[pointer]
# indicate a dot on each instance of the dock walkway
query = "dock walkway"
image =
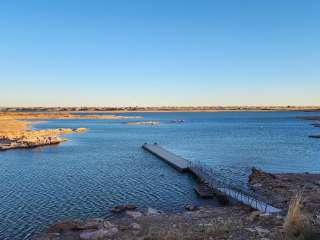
(249, 201)
(175, 161)
(209, 179)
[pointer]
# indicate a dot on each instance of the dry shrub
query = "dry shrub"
(297, 225)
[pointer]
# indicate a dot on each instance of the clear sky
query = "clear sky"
(159, 52)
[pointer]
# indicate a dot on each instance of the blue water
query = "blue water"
(106, 166)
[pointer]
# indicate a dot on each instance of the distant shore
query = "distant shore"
(162, 109)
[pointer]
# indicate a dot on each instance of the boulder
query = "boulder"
(67, 225)
(134, 214)
(99, 234)
(108, 224)
(258, 175)
(95, 223)
(135, 226)
(152, 211)
(191, 207)
(254, 216)
(122, 208)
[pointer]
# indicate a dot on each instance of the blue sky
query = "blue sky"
(159, 52)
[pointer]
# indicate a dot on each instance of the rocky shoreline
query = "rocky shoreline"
(235, 222)
(14, 131)
(206, 223)
(32, 139)
(280, 188)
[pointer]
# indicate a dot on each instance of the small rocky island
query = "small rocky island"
(36, 138)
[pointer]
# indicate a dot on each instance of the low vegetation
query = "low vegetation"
(297, 224)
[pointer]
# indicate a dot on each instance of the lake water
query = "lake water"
(106, 166)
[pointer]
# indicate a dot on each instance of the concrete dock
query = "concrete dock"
(175, 161)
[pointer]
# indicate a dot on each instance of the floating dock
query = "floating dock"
(209, 186)
(204, 191)
(179, 163)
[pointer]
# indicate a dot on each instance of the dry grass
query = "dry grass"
(297, 225)
(183, 232)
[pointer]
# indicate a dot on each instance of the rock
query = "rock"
(65, 226)
(257, 185)
(191, 207)
(94, 223)
(122, 208)
(250, 230)
(258, 174)
(254, 216)
(262, 214)
(260, 231)
(134, 214)
(135, 226)
(108, 224)
(152, 211)
(49, 236)
(99, 234)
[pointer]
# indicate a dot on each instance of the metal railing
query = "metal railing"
(228, 186)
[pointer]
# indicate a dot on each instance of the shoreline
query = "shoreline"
(163, 109)
(16, 131)
(236, 222)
